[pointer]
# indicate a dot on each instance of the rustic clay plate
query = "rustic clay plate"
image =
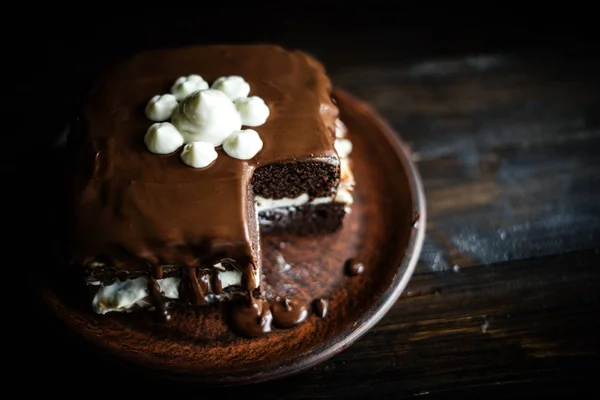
(385, 231)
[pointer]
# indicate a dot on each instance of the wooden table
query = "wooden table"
(505, 298)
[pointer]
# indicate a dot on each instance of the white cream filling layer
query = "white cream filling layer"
(123, 295)
(263, 204)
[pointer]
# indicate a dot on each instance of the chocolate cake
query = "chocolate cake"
(183, 157)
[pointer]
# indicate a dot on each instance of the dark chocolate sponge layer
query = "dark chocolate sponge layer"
(292, 179)
(305, 220)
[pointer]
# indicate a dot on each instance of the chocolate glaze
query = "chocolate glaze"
(354, 267)
(157, 299)
(132, 208)
(215, 282)
(288, 313)
(251, 318)
(198, 287)
(154, 289)
(320, 307)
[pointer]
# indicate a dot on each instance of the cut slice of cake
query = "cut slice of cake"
(304, 212)
(183, 156)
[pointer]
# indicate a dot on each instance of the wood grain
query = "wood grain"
(507, 148)
(501, 326)
(517, 328)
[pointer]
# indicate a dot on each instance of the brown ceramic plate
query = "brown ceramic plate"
(385, 231)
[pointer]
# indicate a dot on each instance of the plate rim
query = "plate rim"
(376, 311)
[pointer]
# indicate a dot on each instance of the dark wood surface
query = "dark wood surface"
(504, 123)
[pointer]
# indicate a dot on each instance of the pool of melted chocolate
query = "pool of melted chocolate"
(312, 307)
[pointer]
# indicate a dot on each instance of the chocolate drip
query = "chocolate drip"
(354, 267)
(156, 272)
(251, 318)
(215, 282)
(198, 287)
(157, 298)
(320, 307)
(288, 313)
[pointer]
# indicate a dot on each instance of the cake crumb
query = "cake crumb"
(281, 263)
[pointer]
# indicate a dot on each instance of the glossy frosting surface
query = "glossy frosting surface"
(133, 208)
